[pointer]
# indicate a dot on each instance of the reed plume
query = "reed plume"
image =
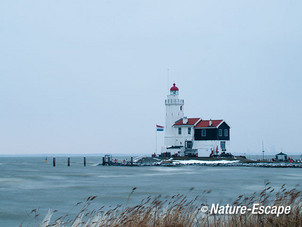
(179, 211)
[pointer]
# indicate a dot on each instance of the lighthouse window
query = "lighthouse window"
(180, 107)
(203, 132)
(179, 131)
(225, 132)
(189, 131)
(220, 132)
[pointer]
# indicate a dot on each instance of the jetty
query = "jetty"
(174, 161)
(239, 161)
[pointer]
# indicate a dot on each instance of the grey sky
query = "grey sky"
(91, 76)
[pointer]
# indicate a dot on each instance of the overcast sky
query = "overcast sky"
(91, 76)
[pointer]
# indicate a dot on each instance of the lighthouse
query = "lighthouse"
(174, 112)
(192, 136)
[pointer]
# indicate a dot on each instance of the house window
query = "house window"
(226, 132)
(222, 145)
(179, 131)
(203, 132)
(189, 131)
(220, 132)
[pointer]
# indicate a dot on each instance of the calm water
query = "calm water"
(29, 183)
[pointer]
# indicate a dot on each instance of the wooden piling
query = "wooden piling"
(109, 163)
(68, 161)
(54, 162)
(84, 161)
(131, 161)
(104, 161)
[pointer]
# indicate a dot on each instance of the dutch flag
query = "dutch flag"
(159, 128)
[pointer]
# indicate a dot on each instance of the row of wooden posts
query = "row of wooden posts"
(108, 162)
(68, 161)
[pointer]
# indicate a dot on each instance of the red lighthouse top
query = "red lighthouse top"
(174, 88)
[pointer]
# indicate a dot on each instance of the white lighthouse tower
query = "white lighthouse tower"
(174, 112)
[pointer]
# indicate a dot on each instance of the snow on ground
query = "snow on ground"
(188, 162)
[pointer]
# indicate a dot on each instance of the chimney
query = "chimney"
(185, 120)
(210, 122)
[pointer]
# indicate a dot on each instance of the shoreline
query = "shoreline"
(205, 161)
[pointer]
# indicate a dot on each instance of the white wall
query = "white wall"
(174, 112)
(204, 147)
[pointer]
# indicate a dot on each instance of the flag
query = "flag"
(159, 128)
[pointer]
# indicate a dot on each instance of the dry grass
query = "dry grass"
(178, 211)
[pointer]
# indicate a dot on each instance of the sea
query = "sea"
(32, 184)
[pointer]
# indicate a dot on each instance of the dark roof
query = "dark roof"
(281, 153)
(174, 147)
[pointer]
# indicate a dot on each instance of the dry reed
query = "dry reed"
(178, 211)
